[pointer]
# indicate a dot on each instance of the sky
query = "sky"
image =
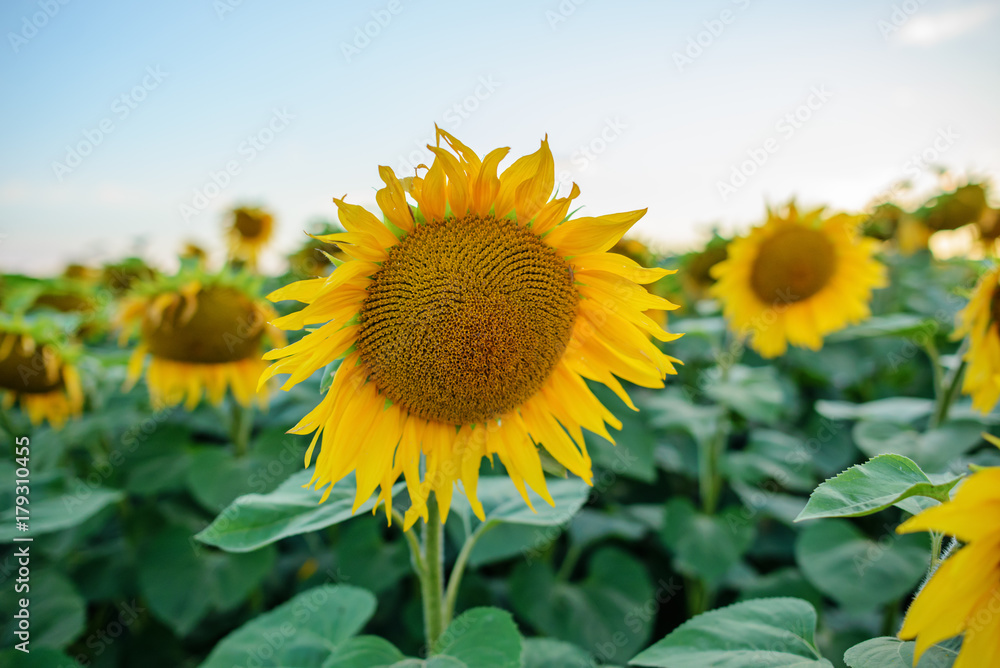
(131, 127)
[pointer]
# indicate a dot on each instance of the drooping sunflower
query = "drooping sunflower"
(248, 232)
(963, 595)
(980, 321)
(203, 334)
(37, 370)
(797, 278)
(467, 323)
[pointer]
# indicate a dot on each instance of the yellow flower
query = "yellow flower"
(979, 321)
(36, 375)
(467, 325)
(201, 338)
(796, 279)
(963, 595)
(250, 230)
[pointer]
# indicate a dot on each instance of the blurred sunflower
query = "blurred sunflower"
(467, 325)
(192, 252)
(697, 267)
(980, 321)
(250, 230)
(37, 371)
(316, 257)
(120, 276)
(797, 278)
(962, 595)
(203, 334)
(952, 210)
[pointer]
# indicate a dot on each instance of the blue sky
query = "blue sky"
(646, 104)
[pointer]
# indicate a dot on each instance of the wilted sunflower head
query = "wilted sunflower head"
(980, 321)
(36, 370)
(883, 222)
(796, 278)
(202, 333)
(952, 210)
(467, 323)
(249, 230)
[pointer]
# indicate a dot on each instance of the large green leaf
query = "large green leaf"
(255, 520)
(873, 486)
(858, 572)
(763, 633)
(58, 513)
(548, 653)
(482, 637)
(705, 546)
(364, 652)
(610, 613)
(40, 657)
(895, 409)
(183, 581)
(895, 324)
(301, 633)
(896, 653)
(57, 610)
(756, 393)
(934, 450)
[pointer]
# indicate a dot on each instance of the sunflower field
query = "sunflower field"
(472, 428)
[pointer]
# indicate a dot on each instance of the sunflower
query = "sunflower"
(37, 372)
(697, 275)
(466, 324)
(203, 335)
(796, 278)
(963, 595)
(639, 253)
(250, 230)
(980, 321)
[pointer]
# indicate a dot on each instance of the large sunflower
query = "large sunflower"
(467, 324)
(248, 232)
(37, 373)
(980, 320)
(796, 278)
(202, 335)
(964, 593)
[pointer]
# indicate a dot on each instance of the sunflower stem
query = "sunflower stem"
(948, 390)
(432, 577)
(240, 427)
(455, 579)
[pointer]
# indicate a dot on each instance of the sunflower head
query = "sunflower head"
(467, 323)
(202, 333)
(37, 370)
(193, 253)
(883, 222)
(120, 276)
(980, 321)
(952, 210)
(797, 278)
(249, 230)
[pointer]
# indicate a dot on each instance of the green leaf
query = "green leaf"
(364, 652)
(900, 410)
(935, 450)
(548, 653)
(57, 611)
(611, 612)
(366, 560)
(756, 393)
(895, 324)
(631, 455)
(41, 657)
(183, 581)
(705, 546)
(770, 455)
(256, 520)
(856, 571)
(58, 513)
(763, 633)
(896, 653)
(671, 410)
(482, 637)
(302, 632)
(873, 486)
(216, 478)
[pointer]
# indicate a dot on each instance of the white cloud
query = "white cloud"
(930, 29)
